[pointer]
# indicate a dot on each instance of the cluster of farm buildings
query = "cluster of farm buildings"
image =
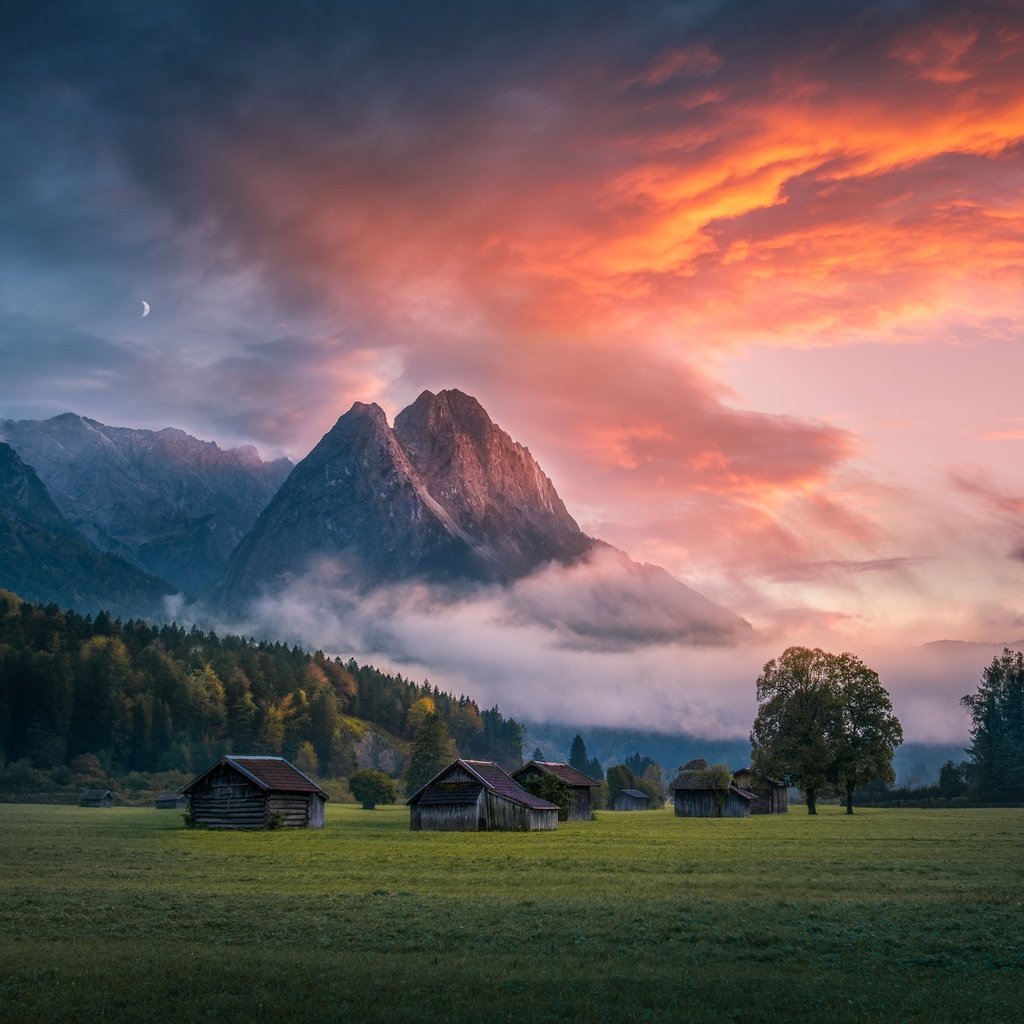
(259, 791)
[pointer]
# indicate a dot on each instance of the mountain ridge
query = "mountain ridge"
(173, 505)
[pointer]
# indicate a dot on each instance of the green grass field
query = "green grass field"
(124, 916)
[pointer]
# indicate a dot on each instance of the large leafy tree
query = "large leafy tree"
(997, 728)
(866, 732)
(796, 712)
(823, 720)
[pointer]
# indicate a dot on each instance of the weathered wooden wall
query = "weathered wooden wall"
(461, 817)
(700, 803)
(580, 810)
(505, 816)
(225, 799)
(625, 802)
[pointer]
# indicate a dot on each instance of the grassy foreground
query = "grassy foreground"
(122, 915)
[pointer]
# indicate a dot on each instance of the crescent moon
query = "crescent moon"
(145, 308)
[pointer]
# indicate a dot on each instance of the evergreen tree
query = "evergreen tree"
(432, 750)
(578, 757)
(997, 728)
(537, 755)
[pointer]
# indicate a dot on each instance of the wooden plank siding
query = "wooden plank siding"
(478, 796)
(700, 803)
(230, 796)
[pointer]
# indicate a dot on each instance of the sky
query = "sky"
(746, 277)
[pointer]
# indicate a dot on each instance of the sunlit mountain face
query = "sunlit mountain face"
(745, 278)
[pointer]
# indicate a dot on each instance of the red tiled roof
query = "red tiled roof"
(561, 770)
(274, 773)
(269, 773)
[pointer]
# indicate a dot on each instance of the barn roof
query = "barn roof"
(492, 777)
(760, 778)
(560, 770)
(96, 794)
(269, 773)
(636, 794)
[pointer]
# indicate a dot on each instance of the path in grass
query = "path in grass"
(123, 915)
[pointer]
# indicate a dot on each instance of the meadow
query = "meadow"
(123, 915)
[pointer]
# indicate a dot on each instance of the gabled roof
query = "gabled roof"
(96, 794)
(569, 775)
(493, 778)
(268, 773)
(636, 794)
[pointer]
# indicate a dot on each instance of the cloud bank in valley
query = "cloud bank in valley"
(626, 655)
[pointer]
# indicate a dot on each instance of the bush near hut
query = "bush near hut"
(552, 789)
(371, 787)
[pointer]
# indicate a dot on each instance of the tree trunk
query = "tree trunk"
(811, 806)
(849, 798)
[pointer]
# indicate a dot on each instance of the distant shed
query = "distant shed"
(96, 798)
(694, 798)
(770, 795)
(254, 792)
(477, 796)
(170, 801)
(629, 800)
(579, 784)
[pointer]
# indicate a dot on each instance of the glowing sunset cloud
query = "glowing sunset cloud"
(746, 278)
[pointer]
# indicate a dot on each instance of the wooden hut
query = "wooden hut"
(475, 796)
(629, 800)
(579, 784)
(255, 791)
(170, 801)
(693, 797)
(96, 798)
(770, 795)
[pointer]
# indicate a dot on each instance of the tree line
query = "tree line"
(825, 725)
(144, 698)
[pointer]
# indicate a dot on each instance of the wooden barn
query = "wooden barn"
(255, 791)
(770, 795)
(579, 784)
(477, 796)
(96, 798)
(693, 797)
(629, 800)
(170, 801)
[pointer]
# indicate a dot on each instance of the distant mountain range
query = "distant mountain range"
(443, 498)
(44, 558)
(174, 506)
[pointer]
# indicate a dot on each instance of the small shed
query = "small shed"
(579, 784)
(629, 800)
(770, 795)
(477, 796)
(96, 798)
(170, 801)
(255, 791)
(694, 798)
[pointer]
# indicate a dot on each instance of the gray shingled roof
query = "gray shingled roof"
(636, 794)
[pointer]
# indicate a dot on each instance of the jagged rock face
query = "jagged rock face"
(43, 558)
(173, 505)
(355, 499)
(444, 496)
(491, 486)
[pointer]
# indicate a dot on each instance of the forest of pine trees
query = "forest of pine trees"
(142, 698)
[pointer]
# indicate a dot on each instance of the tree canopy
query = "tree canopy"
(138, 697)
(823, 720)
(997, 728)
